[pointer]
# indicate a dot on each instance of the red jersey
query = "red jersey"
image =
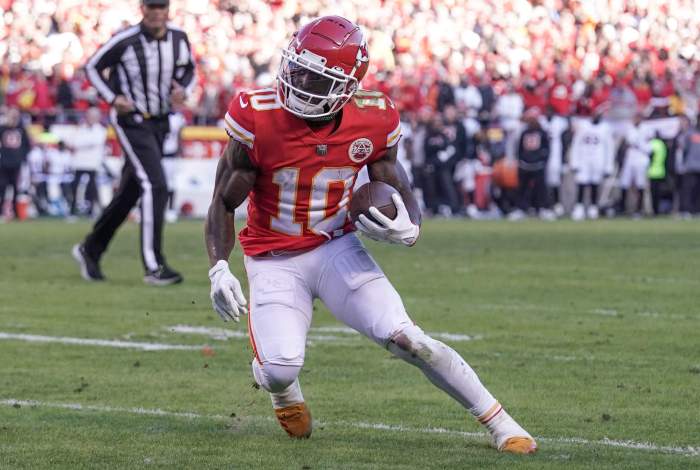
(305, 177)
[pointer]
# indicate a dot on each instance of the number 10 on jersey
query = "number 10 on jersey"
(323, 215)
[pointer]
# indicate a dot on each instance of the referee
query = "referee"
(142, 71)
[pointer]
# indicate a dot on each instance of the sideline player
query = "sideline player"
(296, 151)
(592, 160)
(633, 174)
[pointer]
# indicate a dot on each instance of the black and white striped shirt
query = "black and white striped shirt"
(143, 68)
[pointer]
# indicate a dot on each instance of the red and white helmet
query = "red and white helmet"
(322, 67)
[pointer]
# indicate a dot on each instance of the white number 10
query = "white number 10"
(323, 216)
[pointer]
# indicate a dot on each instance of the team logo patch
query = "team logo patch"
(360, 150)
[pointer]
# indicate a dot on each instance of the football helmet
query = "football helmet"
(322, 67)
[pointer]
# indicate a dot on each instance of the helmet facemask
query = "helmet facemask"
(309, 89)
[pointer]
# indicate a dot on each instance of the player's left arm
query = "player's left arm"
(405, 228)
(388, 170)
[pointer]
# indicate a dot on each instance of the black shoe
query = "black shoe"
(89, 267)
(163, 276)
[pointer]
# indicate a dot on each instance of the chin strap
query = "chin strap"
(330, 117)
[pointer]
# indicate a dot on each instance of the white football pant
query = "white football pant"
(345, 277)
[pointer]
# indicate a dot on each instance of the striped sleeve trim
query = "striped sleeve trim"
(238, 132)
(393, 137)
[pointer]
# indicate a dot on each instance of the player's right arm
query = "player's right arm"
(107, 56)
(235, 177)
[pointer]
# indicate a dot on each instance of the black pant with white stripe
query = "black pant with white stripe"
(142, 177)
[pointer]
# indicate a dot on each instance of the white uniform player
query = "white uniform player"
(634, 169)
(592, 157)
(171, 150)
(296, 156)
(633, 173)
(555, 126)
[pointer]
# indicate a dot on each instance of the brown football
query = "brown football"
(374, 193)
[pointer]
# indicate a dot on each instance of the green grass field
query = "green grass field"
(588, 333)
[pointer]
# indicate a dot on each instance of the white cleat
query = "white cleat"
(517, 214)
(506, 434)
(558, 210)
(547, 214)
(170, 216)
(593, 212)
(579, 212)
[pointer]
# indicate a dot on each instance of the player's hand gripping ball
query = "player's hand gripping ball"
(380, 214)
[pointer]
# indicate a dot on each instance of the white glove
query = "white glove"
(400, 230)
(226, 294)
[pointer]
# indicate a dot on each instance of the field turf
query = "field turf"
(588, 333)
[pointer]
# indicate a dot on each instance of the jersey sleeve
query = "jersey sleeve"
(239, 121)
(382, 116)
(393, 126)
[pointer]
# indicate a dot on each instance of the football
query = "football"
(505, 173)
(374, 193)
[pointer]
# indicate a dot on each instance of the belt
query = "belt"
(151, 117)
(140, 117)
(276, 253)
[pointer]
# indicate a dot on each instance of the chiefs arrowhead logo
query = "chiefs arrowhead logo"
(362, 54)
(360, 150)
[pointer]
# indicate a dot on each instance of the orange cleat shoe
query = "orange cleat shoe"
(519, 445)
(295, 420)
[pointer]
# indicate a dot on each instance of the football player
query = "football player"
(592, 160)
(633, 173)
(295, 151)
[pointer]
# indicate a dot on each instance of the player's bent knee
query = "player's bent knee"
(275, 378)
(414, 346)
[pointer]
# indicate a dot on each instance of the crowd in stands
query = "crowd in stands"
(494, 66)
(573, 55)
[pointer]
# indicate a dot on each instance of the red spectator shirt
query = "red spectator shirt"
(560, 99)
(305, 177)
(643, 94)
(534, 98)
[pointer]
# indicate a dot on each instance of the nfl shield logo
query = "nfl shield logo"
(321, 149)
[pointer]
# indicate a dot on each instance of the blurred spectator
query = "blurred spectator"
(14, 148)
(690, 171)
(59, 178)
(439, 189)
(88, 147)
(657, 171)
(467, 96)
(491, 148)
(533, 153)
(38, 172)
(448, 159)
(418, 148)
(510, 108)
(557, 128)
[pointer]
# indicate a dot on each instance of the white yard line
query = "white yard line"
(688, 451)
(606, 312)
(225, 333)
(213, 333)
(98, 342)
